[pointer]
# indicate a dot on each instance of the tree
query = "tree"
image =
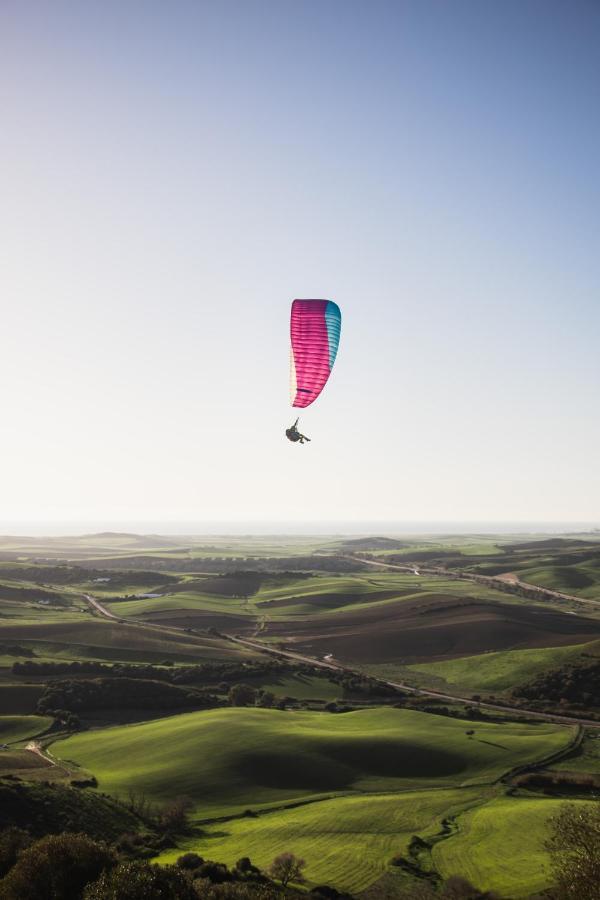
(57, 867)
(286, 867)
(244, 869)
(189, 861)
(12, 842)
(242, 695)
(574, 847)
(266, 699)
(133, 880)
(174, 815)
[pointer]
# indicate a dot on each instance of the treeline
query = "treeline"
(218, 675)
(90, 695)
(562, 782)
(204, 673)
(232, 564)
(363, 685)
(28, 594)
(69, 575)
(575, 686)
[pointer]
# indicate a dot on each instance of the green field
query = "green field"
(346, 791)
(500, 846)
(301, 687)
(582, 579)
(497, 842)
(86, 637)
(587, 759)
(346, 841)
(284, 597)
(499, 671)
(14, 729)
(230, 759)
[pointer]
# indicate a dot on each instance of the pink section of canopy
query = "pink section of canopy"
(310, 350)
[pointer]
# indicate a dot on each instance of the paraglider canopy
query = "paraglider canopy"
(315, 327)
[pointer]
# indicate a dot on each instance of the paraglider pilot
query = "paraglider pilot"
(294, 435)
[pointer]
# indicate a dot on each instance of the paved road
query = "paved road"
(481, 704)
(338, 667)
(95, 604)
(492, 581)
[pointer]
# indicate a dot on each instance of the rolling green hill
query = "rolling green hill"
(20, 728)
(499, 671)
(88, 637)
(346, 791)
(346, 841)
(495, 842)
(230, 759)
(500, 846)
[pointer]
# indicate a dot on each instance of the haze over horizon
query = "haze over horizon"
(174, 175)
(201, 529)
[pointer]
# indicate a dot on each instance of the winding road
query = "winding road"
(500, 582)
(410, 689)
(338, 667)
(95, 604)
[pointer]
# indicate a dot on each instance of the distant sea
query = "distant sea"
(236, 528)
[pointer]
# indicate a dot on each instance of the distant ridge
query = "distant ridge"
(374, 543)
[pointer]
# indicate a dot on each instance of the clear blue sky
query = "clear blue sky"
(174, 174)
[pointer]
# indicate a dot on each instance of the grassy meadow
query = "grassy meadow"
(229, 759)
(496, 672)
(347, 791)
(500, 846)
(15, 729)
(347, 841)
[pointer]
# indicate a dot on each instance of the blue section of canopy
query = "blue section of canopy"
(333, 321)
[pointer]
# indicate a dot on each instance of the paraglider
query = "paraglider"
(315, 327)
(294, 435)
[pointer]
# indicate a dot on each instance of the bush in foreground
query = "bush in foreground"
(57, 867)
(574, 847)
(134, 880)
(12, 842)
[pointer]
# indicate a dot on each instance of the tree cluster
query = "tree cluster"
(72, 866)
(356, 684)
(209, 673)
(559, 782)
(89, 695)
(575, 686)
(80, 575)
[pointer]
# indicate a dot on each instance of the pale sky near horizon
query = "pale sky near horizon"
(173, 175)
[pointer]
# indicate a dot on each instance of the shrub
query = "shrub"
(57, 867)
(135, 880)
